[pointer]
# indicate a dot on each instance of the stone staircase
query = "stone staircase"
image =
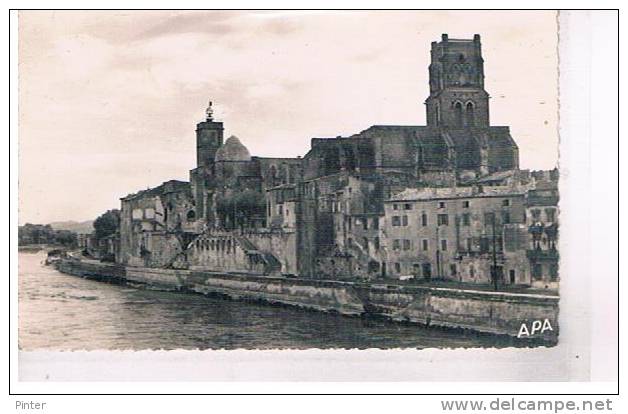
(270, 263)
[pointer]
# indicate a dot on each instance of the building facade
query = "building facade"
(444, 200)
(457, 234)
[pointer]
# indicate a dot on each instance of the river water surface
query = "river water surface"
(63, 312)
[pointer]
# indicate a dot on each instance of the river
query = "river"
(62, 312)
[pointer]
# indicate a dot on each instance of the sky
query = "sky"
(109, 101)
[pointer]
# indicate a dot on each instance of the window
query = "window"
(550, 213)
(458, 113)
(536, 214)
(489, 218)
(505, 217)
(441, 204)
(365, 243)
(396, 221)
(443, 245)
(511, 274)
(537, 271)
(137, 214)
(453, 270)
(407, 206)
(465, 204)
(469, 244)
(404, 220)
(484, 244)
(427, 270)
(350, 241)
(397, 267)
(406, 245)
(376, 243)
(466, 219)
(280, 209)
(437, 114)
(395, 206)
(149, 213)
(396, 244)
(375, 223)
(470, 118)
(472, 271)
(553, 272)
(424, 219)
(425, 245)
(365, 223)
(443, 220)
(506, 203)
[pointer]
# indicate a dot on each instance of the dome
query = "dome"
(232, 150)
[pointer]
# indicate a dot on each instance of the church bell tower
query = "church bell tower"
(457, 96)
(209, 136)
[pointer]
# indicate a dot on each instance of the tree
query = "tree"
(44, 234)
(35, 234)
(66, 238)
(236, 209)
(107, 224)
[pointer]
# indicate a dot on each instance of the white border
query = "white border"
(588, 162)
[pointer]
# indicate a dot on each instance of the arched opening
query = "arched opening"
(458, 114)
(470, 116)
(272, 176)
(191, 216)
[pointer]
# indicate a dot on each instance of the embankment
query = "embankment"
(491, 312)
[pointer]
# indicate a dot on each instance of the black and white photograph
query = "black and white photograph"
(297, 180)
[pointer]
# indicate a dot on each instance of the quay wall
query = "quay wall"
(482, 311)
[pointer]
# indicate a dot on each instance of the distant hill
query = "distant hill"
(81, 227)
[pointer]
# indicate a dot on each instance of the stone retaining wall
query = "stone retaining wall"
(490, 312)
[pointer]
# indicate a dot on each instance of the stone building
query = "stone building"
(156, 225)
(458, 140)
(457, 233)
(542, 216)
(351, 207)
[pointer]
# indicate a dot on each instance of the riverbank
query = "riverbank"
(34, 248)
(502, 313)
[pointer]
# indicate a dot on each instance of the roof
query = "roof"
(165, 187)
(436, 193)
(497, 176)
(232, 150)
(546, 185)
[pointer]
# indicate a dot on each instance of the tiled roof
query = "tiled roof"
(435, 193)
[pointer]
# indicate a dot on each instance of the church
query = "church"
(322, 215)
